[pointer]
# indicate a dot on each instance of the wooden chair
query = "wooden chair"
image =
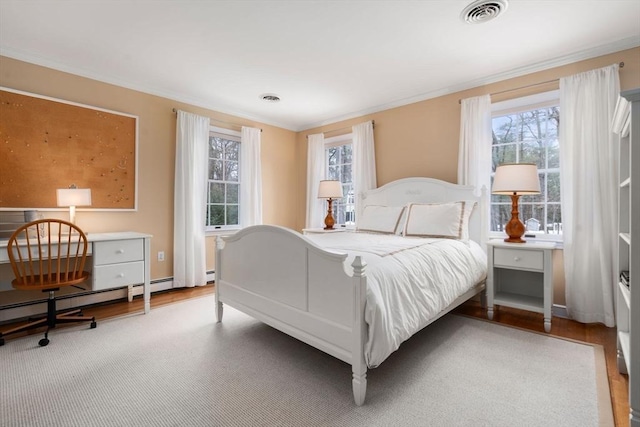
(46, 255)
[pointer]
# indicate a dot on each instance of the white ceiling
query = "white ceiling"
(327, 60)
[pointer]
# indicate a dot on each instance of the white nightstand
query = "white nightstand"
(323, 231)
(520, 275)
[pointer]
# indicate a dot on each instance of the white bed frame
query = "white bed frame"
(281, 278)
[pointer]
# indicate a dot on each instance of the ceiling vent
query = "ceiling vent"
(483, 11)
(270, 97)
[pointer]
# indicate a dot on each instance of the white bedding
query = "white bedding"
(410, 280)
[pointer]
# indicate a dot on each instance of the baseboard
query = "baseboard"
(33, 308)
(559, 311)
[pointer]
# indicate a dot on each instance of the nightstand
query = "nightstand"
(520, 275)
(323, 231)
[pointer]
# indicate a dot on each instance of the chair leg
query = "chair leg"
(31, 325)
(51, 319)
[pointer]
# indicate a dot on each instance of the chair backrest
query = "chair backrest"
(47, 254)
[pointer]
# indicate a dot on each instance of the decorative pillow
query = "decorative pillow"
(440, 220)
(380, 219)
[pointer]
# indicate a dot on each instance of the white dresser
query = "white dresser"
(117, 260)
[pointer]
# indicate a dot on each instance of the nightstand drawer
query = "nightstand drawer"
(116, 251)
(518, 258)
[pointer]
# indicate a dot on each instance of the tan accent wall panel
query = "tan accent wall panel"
(46, 144)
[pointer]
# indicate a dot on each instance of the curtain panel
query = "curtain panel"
(315, 173)
(364, 162)
(589, 182)
(190, 197)
(250, 177)
(474, 154)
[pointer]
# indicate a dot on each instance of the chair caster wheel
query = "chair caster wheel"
(93, 325)
(43, 342)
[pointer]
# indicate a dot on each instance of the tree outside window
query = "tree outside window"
(339, 161)
(223, 182)
(529, 137)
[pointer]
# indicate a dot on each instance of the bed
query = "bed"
(325, 290)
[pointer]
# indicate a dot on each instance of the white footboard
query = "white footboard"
(281, 278)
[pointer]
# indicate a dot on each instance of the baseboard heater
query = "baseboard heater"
(17, 311)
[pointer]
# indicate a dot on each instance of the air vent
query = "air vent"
(270, 97)
(483, 11)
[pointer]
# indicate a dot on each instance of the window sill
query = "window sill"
(222, 232)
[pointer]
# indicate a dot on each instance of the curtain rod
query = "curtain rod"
(219, 121)
(373, 124)
(621, 65)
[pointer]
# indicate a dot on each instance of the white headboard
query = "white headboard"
(429, 190)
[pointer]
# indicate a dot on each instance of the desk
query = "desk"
(118, 260)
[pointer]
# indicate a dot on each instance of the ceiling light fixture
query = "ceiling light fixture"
(483, 11)
(270, 97)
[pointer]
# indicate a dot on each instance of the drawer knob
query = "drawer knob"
(120, 276)
(516, 258)
(120, 251)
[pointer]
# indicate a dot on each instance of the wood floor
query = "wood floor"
(592, 333)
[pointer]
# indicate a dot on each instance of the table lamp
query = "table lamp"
(515, 180)
(73, 197)
(330, 190)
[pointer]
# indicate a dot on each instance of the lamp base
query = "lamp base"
(329, 222)
(515, 227)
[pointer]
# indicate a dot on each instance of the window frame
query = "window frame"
(519, 105)
(231, 135)
(333, 142)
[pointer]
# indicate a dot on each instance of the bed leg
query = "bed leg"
(359, 387)
(483, 299)
(219, 310)
(218, 279)
(359, 365)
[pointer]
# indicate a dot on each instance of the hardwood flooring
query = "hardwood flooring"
(592, 333)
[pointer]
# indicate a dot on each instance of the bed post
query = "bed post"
(218, 277)
(359, 366)
(485, 208)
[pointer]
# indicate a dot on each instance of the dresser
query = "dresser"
(117, 260)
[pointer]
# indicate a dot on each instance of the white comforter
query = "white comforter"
(409, 281)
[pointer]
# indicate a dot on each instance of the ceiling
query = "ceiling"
(326, 60)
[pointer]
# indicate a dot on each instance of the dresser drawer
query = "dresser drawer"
(118, 275)
(518, 259)
(116, 251)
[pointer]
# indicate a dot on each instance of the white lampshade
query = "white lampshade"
(330, 189)
(516, 179)
(74, 196)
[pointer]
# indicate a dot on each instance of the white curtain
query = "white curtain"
(250, 177)
(190, 197)
(364, 161)
(589, 182)
(315, 173)
(474, 155)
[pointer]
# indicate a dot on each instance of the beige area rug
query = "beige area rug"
(177, 367)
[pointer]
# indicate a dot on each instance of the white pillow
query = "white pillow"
(440, 220)
(380, 219)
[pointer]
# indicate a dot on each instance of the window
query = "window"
(526, 131)
(339, 159)
(223, 183)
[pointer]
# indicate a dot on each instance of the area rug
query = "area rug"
(177, 367)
